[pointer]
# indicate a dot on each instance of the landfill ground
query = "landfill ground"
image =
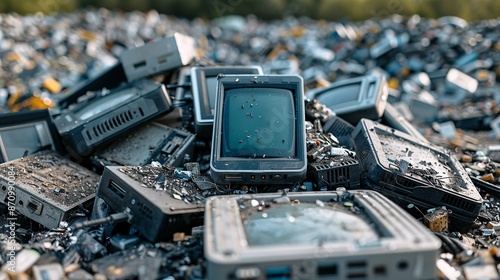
(428, 139)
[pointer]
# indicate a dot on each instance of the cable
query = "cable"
(450, 244)
(114, 218)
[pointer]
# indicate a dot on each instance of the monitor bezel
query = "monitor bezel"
(200, 92)
(260, 170)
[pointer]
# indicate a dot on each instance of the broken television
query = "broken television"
(268, 145)
(354, 98)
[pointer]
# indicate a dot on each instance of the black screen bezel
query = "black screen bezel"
(372, 97)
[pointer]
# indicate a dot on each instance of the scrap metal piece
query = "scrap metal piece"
(49, 188)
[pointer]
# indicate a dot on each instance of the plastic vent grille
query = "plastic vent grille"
(79, 142)
(459, 203)
(343, 171)
(405, 183)
(339, 175)
(109, 125)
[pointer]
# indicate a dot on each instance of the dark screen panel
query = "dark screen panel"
(258, 122)
(340, 95)
(20, 140)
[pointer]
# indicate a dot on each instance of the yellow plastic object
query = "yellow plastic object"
(51, 85)
(33, 103)
(393, 83)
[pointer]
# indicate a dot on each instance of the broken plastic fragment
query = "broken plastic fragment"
(320, 203)
(254, 203)
(155, 164)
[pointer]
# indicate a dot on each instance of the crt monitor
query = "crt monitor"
(204, 83)
(27, 132)
(255, 141)
(356, 98)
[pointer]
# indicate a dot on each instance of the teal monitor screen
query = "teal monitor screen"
(258, 123)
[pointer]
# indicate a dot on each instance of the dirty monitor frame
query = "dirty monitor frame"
(259, 134)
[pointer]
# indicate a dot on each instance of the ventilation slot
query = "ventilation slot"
(458, 203)
(356, 265)
(340, 175)
(106, 125)
(88, 135)
(79, 141)
(405, 183)
(322, 167)
(116, 121)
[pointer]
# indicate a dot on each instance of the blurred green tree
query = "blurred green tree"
(34, 6)
(271, 9)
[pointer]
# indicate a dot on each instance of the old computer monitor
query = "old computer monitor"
(356, 98)
(259, 133)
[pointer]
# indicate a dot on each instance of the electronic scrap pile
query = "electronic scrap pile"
(307, 150)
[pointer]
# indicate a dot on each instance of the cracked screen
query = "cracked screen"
(306, 224)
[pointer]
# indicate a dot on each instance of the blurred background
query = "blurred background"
(353, 10)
